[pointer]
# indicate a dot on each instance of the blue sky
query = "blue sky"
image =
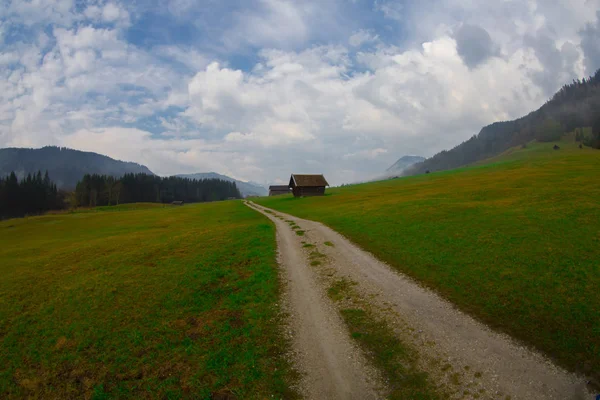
(258, 89)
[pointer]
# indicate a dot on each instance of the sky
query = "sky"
(259, 89)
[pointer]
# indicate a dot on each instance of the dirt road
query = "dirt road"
(454, 347)
(332, 367)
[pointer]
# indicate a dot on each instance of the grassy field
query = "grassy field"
(515, 242)
(141, 302)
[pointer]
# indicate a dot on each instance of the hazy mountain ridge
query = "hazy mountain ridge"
(574, 106)
(245, 188)
(65, 166)
(403, 163)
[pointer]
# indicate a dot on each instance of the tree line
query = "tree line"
(34, 194)
(101, 190)
(574, 106)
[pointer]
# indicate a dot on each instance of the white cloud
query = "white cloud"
(361, 37)
(365, 154)
(274, 22)
(109, 13)
(305, 103)
(29, 13)
(189, 57)
(292, 90)
(86, 79)
(181, 7)
(167, 156)
(93, 12)
(391, 9)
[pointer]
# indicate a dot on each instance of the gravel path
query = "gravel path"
(331, 365)
(491, 365)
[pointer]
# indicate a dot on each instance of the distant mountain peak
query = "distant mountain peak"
(405, 162)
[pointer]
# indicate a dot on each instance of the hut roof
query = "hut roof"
(308, 180)
(279, 187)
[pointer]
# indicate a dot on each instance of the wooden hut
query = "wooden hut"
(308, 185)
(276, 190)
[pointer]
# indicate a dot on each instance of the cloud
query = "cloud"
(474, 45)
(168, 156)
(295, 104)
(30, 13)
(274, 22)
(361, 37)
(590, 43)
(261, 88)
(365, 154)
(109, 13)
(391, 9)
(181, 8)
(556, 65)
(187, 56)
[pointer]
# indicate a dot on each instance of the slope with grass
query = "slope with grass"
(514, 242)
(144, 301)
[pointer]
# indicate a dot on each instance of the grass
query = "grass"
(514, 242)
(396, 361)
(139, 301)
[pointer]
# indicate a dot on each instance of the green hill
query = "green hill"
(514, 242)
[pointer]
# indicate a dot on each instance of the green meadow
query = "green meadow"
(514, 242)
(141, 301)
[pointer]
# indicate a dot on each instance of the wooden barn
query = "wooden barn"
(276, 190)
(308, 185)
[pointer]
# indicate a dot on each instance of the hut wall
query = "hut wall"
(278, 192)
(309, 191)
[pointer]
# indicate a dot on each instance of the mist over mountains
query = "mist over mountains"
(245, 188)
(403, 163)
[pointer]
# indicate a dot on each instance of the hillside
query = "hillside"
(575, 105)
(245, 188)
(513, 242)
(65, 166)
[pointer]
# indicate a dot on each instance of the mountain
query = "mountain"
(245, 188)
(575, 105)
(403, 163)
(65, 166)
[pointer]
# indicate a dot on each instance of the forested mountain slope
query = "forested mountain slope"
(573, 106)
(65, 166)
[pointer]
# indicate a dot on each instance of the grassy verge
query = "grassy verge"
(515, 242)
(396, 361)
(150, 302)
(386, 350)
